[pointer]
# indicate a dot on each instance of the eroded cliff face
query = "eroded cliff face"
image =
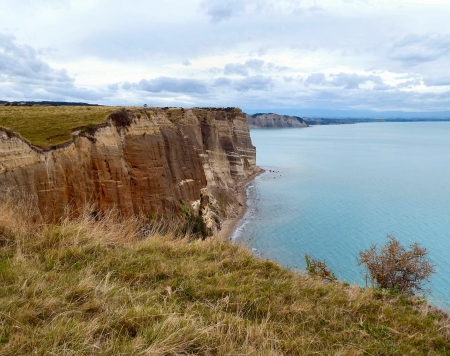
(140, 161)
(274, 120)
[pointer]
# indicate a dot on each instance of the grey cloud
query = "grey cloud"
(275, 67)
(255, 65)
(382, 87)
(52, 91)
(416, 49)
(410, 83)
(257, 82)
(187, 63)
(21, 63)
(437, 81)
(352, 81)
(194, 87)
(316, 79)
(126, 86)
(24, 75)
(113, 87)
(235, 68)
(166, 84)
(222, 81)
(220, 10)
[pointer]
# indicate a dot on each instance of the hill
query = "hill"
(271, 120)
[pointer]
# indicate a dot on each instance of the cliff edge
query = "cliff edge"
(140, 161)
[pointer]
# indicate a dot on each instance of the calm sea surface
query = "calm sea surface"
(334, 190)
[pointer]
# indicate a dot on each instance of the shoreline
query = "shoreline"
(229, 225)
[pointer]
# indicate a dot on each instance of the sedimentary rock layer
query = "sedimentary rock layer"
(139, 161)
(274, 120)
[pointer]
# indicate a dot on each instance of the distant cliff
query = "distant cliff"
(274, 120)
(139, 161)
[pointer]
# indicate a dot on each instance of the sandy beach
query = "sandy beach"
(229, 225)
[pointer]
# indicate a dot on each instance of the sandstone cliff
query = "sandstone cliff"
(139, 161)
(274, 120)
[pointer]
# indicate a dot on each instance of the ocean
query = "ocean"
(332, 191)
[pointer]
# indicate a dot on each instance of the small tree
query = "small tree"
(319, 269)
(395, 267)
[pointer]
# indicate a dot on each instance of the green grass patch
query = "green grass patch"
(45, 126)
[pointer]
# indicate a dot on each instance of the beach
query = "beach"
(229, 225)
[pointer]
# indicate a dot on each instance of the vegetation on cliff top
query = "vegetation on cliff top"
(45, 126)
(101, 286)
(50, 125)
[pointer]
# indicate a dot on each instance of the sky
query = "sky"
(287, 56)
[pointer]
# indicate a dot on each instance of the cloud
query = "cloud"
(220, 10)
(255, 65)
(257, 82)
(25, 76)
(173, 85)
(21, 63)
(235, 68)
(415, 49)
(316, 79)
(113, 87)
(197, 87)
(222, 82)
(345, 80)
(165, 85)
(437, 81)
(352, 81)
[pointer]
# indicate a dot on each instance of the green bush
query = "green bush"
(319, 269)
(193, 223)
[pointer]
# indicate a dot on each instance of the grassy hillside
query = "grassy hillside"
(102, 287)
(49, 125)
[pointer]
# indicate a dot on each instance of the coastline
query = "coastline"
(229, 225)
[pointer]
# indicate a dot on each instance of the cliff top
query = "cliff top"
(95, 286)
(50, 125)
(45, 126)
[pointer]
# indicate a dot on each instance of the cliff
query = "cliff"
(274, 120)
(139, 161)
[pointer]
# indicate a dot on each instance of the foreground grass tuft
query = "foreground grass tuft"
(99, 287)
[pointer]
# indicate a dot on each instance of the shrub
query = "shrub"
(193, 223)
(396, 267)
(319, 269)
(121, 118)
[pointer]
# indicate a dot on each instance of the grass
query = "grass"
(90, 286)
(45, 126)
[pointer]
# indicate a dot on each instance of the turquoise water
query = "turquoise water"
(334, 190)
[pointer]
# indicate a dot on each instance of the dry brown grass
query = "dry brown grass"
(89, 286)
